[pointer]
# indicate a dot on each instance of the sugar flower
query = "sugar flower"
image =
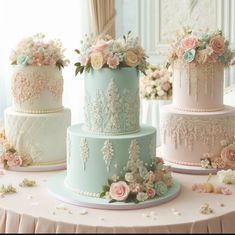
(111, 53)
(200, 47)
(36, 51)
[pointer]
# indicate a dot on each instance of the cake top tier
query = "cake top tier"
(111, 53)
(201, 47)
(36, 51)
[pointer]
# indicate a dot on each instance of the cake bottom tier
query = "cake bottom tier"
(42, 137)
(93, 159)
(187, 136)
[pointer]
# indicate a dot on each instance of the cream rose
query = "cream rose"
(217, 44)
(97, 60)
(201, 56)
(228, 155)
(131, 59)
(119, 191)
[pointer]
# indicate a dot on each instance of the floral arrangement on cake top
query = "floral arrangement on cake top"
(110, 53)
(9, 156)
(157, 84)
(225, 160)
(139, 182)
(201, 47)
(36, 51)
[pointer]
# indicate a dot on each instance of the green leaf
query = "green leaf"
(77, 64)
(81, 70)
(110, 182)
(77, 70)
(105, 188)
(111, 201)
(77, 51)
(102, 194)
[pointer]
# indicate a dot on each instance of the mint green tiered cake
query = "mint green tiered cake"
(111, 158)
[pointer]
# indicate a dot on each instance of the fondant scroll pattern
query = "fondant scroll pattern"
(84, 152)
(28, 87)
(186, 131)
(108, 153)
(112, 111)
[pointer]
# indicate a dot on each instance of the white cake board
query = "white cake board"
(41, 168)
(57, 188)
(185, 169)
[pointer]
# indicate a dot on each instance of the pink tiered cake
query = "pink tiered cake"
(197, 129)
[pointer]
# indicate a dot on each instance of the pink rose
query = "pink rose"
(101, 45)
(166, 86)
(217, 44)
(228, 155)
(223, 190)
(212, 58)
(119, 191)
(84, 60)
(190, 42)
(113, 61)
(151, 192)
(16, 161)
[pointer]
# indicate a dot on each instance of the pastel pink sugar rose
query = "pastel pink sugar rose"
(217, 44)
(15, 161)
(119, 191)
(228, 155)
(101, 45)
(113, 61)
(151, 192)
(199, 188)
(223, 190)
(166, 86)
(190, 42)
(84, 60)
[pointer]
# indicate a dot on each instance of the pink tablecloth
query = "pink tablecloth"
(35, 210)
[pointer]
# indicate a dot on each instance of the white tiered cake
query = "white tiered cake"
(111, 158)
(197, 128)
(36, 124)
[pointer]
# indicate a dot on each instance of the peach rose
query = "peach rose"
(119, 191)
(166, 86)
(201, 56)
(97, 60)
(131, 59)
(151, 192)
(228, 155)
(217, 44)
(15, 161)
(113, 61)
(190, 42)
(212, 58)
(179, 52)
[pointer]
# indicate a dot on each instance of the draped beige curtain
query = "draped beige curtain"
(102, 17)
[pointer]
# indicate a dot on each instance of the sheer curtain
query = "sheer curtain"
(67, 20)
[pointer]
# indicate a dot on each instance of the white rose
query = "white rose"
(161, 93)
(129, 177)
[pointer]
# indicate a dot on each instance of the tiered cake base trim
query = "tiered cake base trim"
(58, 189)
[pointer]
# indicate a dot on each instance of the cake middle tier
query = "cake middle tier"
(187, 136)
(41, 137)
(112, 101)
(93, 159)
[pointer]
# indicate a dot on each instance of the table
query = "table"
(149, 114)
(35, 210)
